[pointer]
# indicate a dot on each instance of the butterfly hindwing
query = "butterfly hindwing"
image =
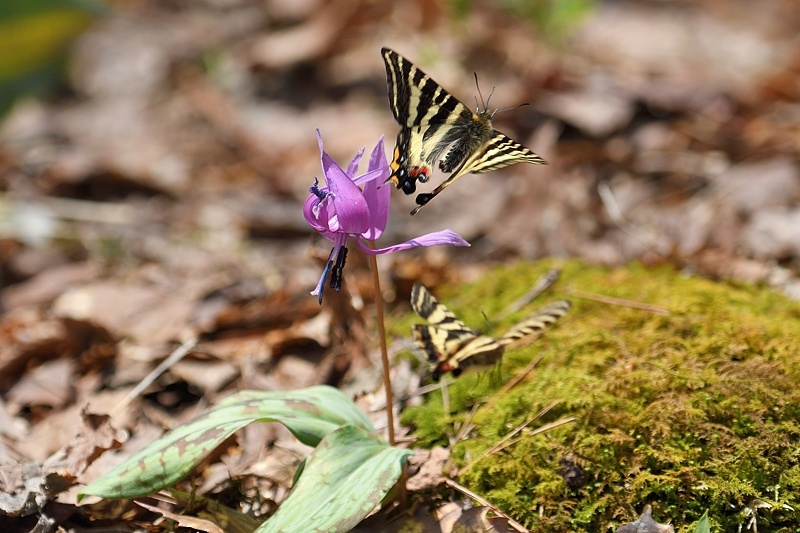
(537, 322)
(434, 124)
(501, 151)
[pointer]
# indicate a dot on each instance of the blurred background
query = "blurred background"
(131, 128)
(155, 156)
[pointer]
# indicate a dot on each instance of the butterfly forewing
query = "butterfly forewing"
(426, 113)
(435, 312)
(435, 124)
(415, 98)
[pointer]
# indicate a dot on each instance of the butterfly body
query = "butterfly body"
(435, 126)
(451, 346)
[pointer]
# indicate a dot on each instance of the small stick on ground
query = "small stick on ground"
(463, 490)
(507, 437)
(179, 353)
(541, 285)
(467, 426)
(515, 380)
(500, 448)
(610, 300)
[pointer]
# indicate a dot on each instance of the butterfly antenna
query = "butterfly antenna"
(484, 104)
(485, 107)
(498, 110)
(488, 323)
(478, 87)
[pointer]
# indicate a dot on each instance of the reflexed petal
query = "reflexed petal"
(437, 238)
(315, 212)
(378, 197)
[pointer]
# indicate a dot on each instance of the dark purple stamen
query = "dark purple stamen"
(338, 269)
(316, 191)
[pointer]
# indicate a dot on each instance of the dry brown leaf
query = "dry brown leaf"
(48, 284)
(199, 524)
(152, 315)
(49, 384)
(645, 524)
(430, 465)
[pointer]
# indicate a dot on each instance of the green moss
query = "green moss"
(687, 412)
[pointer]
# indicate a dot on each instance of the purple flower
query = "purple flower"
(342, 210)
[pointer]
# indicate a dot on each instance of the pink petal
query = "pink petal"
(437, 238)
(378, 198)
(316, 214)
(352, 168)
(350, 213)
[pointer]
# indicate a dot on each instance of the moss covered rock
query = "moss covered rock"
(691, 411)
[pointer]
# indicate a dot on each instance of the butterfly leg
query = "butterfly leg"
(423, 198)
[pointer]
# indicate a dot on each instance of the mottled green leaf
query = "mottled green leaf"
(309, 414)
(345, 478)
(702, 525)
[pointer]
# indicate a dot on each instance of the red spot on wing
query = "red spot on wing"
(444, 367)
(416, 172)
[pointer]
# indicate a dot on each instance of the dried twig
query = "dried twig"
(500, 443)
(610, 300)
(541, 285)
(618, 218)
(167, 363)
(467, 426)
(463, 490)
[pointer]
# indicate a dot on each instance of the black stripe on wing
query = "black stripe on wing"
(501, 151)
(440, 344)
(537, 322)
(414, 97)
(433, 311)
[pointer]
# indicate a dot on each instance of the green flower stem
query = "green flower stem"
(387, 382)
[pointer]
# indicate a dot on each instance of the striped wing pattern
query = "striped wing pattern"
(537, 322)
(434, 124)
(426, 112)
(435, 313)
(449, 344)
(415, 98)
(501, 151)
(452, 347)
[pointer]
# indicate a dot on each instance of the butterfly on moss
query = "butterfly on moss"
(451, 346)
(434, 125)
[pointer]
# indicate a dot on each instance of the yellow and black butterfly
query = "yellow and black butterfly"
(435, 124)
(452, 347)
